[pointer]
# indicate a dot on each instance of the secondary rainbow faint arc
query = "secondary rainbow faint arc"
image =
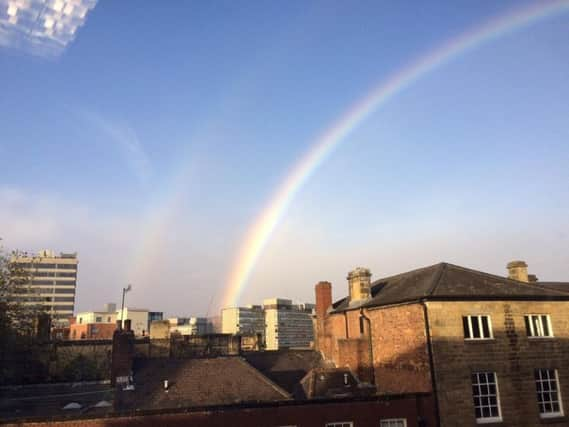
(264, 225)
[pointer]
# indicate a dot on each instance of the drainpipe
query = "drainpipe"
(431, 361)
(367, 319)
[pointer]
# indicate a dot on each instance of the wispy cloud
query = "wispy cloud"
(41, 27)
(126, 139)
(176, 258)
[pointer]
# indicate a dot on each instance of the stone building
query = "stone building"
(493, 349)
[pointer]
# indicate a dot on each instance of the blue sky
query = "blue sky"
(151, 143)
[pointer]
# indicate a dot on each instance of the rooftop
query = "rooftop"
(286, 368)
(446, 281)
(198, 382)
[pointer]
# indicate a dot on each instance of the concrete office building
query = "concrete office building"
(287, 324)
(52, 282)
(279, 322)
(248, 320)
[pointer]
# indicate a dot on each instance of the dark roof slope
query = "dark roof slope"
(286, 367)
(558, 286)
(50, 399)
(448, 281)
(198, 382)
(334, 382)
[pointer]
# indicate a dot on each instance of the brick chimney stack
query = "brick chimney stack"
(323, 298)
(122, 354)
(359, 281)
(518, 270)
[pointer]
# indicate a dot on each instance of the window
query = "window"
(393, 422)
(66, 266)
(98, 319)
(42, 282)
(64, 299)
(340, 424)
(62, 274)
(548, 395)
(477, 327)
(486, 398)
(538, 325)
(41, 265)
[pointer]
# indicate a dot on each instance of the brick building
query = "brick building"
(492, 349)
(272, 389)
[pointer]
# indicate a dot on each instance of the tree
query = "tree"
(18, 321)
(15, 317)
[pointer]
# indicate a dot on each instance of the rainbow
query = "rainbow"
(261, 230)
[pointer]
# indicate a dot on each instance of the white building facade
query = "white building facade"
(288, 325)
(279, 322)
(248, 320)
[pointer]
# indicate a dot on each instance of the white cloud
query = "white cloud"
(41, 27)
(171, 265)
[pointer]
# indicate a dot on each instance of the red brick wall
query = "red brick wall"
(361, 413)
(400, 352)
(399, 346)
(93, 331)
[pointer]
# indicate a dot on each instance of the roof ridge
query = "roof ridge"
(415, 270)
(442, 267)
(507, 279)
(264, 378)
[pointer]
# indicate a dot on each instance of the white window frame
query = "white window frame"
(340, 424)
(479, 317)
(539, 333)
(558, 389)
(389, 422)
(486, 420)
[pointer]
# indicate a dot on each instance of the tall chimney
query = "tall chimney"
(323, 298)
(518, 270)
(359, 281)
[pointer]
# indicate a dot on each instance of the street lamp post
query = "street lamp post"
(124, 291)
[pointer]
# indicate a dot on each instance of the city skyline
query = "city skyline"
(154, 168)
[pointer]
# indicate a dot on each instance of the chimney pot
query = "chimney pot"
(359, 281)
(518, 270)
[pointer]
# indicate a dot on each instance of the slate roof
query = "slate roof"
(196, 383)
(446, 281)
(49, 399)
(558, 286)
(334, 383)
(286, 367)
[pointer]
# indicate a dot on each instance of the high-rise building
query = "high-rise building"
(248, 320)
(279, 322)
(52, 282)
(287, 324)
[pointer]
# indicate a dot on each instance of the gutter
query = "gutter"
(431, 361)
(364, 317)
